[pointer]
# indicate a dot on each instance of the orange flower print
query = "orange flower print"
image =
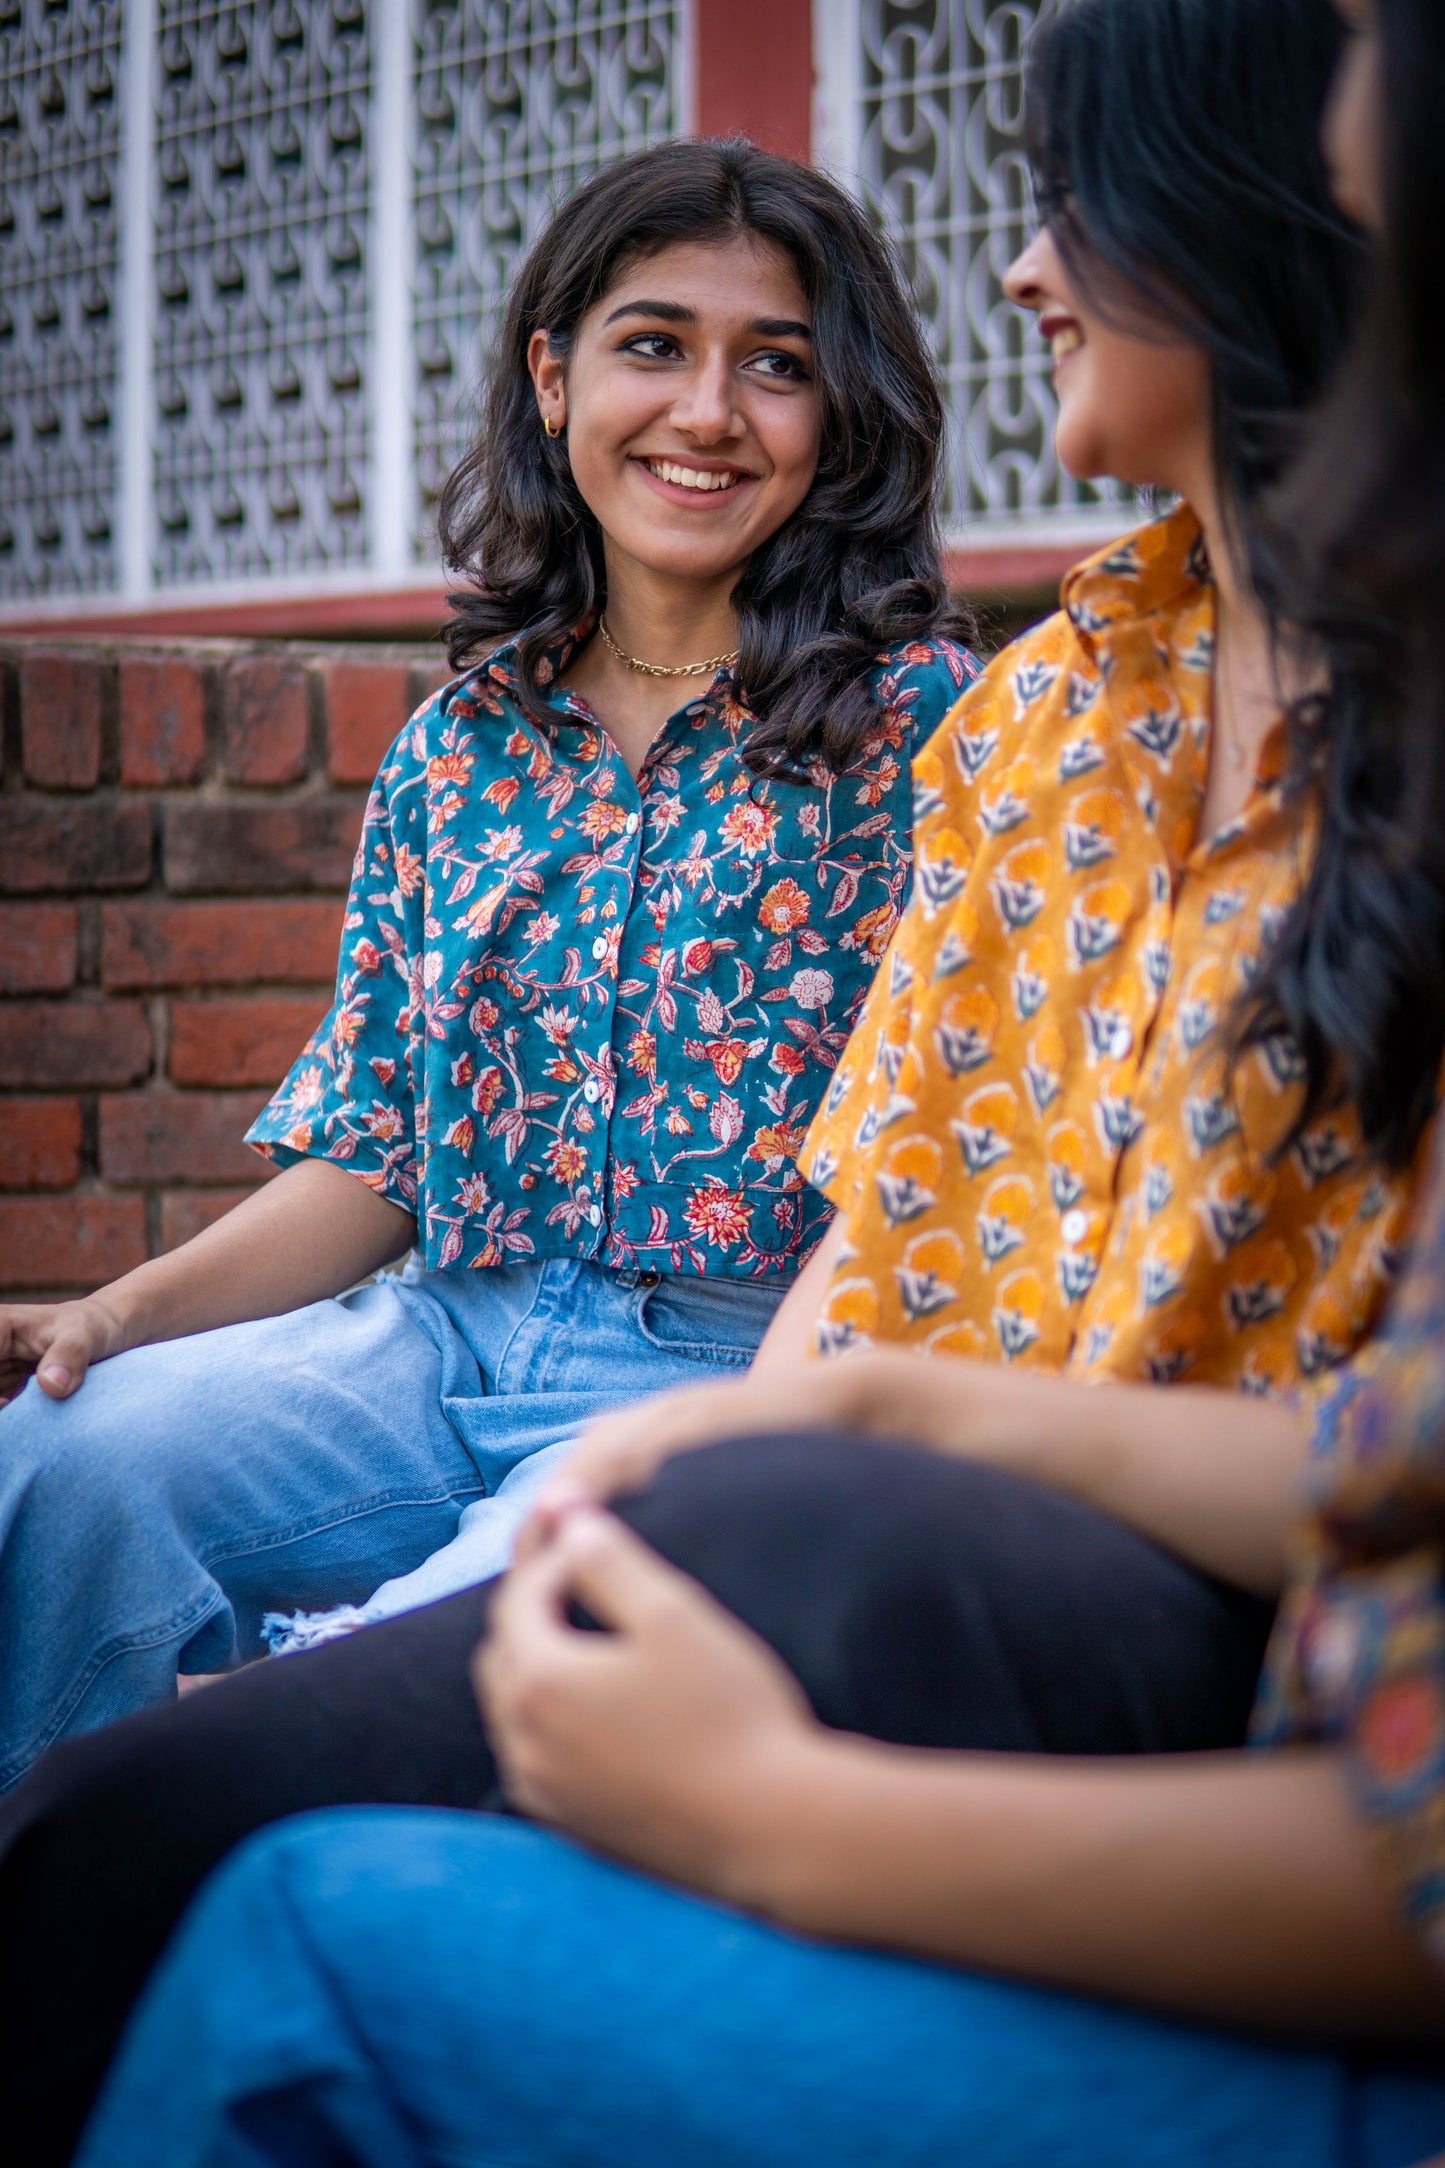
(1017, 1313)
(408, 869)
(929, 1274)
(848, 1316)
(473, 1194)
(565, 1161)
(778, 1145)
(750, 827)
(873, 932)
(720, 1213)
(449, 768)
(642, 1053)
(462, 1134)
(383, 1122)
(787, 1059)
(875, 788)
(487, 1091)
(307, 1087)
(602, 819)
(727, 1057)
(783, 907)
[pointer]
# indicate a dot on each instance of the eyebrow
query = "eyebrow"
(676, 312)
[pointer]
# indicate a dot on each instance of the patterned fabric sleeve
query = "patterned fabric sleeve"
(870, 1070)
(348, 1096)
(1359, 1654)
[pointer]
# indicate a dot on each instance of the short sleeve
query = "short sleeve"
(348, 1096)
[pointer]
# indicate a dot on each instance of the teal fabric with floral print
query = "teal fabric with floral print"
(579, 1015)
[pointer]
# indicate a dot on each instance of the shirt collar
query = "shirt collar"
(1162, 567)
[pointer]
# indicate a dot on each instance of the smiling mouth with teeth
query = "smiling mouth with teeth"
(1067, 340)
(698, 478)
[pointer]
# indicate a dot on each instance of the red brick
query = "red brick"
(70, 1242)
(239, 1042)
(180, 1137)
(264, 719)
(60, 702)
(54, 843)
(67, 1043)
(219, 944)
(188, 1212)
(39, 1143)
(37, 947)
(162, 720)
(366, 704)
(240, 849)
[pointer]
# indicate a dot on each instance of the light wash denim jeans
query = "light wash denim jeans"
(403, 1988)
(148, 1524)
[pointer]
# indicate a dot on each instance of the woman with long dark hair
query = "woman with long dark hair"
(619, 892)
(1252, 1897)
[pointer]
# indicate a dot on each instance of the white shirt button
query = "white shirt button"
(1075, 1226)
(592, 1089)
(594, 1213)
(631, 824)
(599, 947)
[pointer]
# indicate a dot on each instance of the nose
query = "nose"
(705, 407)
(1021, 281)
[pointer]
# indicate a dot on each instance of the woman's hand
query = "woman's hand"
(662, 1739)
(58, 1341)
(621, 1452)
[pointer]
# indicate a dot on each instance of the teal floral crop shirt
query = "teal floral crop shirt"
(579, 1015)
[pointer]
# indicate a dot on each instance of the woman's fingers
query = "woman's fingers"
(621, 1580)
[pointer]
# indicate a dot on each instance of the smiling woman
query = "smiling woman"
(753, 328)
(619, 894)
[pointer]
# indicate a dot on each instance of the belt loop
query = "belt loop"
(627, 1275)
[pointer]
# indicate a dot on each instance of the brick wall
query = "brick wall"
(176, 832)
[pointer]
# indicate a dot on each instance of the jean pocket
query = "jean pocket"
(709, 1321)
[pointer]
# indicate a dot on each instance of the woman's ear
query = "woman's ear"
(549, 379)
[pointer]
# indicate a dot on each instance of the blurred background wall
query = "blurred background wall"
(251, 252)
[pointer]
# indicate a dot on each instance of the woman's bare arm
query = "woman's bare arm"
(789, 1339)
(1211, 1475)
(312, 1231)
(1233, 1888)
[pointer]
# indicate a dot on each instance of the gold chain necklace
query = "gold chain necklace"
(663, 670)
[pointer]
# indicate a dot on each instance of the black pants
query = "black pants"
(917, 1599)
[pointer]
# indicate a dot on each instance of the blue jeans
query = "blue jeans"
(149, 1524)
(395, 1987)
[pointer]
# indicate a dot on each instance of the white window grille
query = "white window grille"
(251, 252)
(920, 104)
(59, 245)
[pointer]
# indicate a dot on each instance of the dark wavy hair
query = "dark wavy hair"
(1176, 156)
(1359, 975)
(1177, 151)
(855, 570)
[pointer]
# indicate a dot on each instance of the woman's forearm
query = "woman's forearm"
(1227, 1888)
(789, 1338)
(312, 1231)
(1211, 1475)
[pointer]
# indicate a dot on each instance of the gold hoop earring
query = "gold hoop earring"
(551, 431)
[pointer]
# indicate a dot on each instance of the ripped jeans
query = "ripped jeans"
(149, 1524)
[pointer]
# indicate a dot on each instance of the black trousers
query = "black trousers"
(917, 1599)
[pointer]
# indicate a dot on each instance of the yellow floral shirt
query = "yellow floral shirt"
(1032, 1131)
